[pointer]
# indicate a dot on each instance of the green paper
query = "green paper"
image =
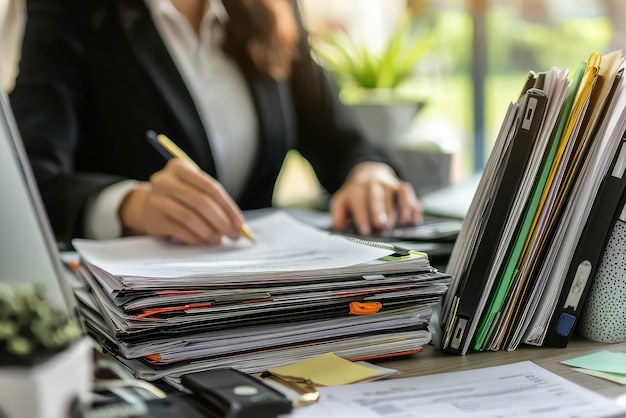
(613, 377)
(602, 361)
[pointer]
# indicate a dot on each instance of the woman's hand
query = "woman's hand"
(183, 203)
(375, 199)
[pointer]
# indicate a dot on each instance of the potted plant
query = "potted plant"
(374, 82)
(45, 363)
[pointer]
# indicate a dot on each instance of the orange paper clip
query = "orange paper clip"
(365, 308)
(73, 265)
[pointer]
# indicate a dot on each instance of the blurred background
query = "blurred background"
(478, 56)
(430, 79)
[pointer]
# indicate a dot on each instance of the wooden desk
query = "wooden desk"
(433, 361)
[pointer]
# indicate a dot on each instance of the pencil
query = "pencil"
(175, 151)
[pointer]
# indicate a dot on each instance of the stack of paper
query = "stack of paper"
(542, 212)
(297, 292)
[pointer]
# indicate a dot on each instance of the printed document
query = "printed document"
(515, 390)
(283, 244)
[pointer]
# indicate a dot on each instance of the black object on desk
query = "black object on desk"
(184, 406)
(435, 236)
(229, 393)
(216, 393)
(432, 229)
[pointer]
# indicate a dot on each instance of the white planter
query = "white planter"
(49, 389)
(385, 123)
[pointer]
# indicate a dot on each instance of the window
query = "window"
(482, 54)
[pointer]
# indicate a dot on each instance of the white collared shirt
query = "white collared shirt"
(221, 95)
(217, 86)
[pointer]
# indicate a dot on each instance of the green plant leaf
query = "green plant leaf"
(351, 63)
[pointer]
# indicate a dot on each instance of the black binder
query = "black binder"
(465, 315)
(588, 255)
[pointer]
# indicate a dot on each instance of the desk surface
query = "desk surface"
(433, 361)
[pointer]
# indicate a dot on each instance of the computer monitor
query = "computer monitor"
(28, 250)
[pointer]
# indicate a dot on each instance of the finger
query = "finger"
(380, 204)
(169, 218)
(409, 209)
(207, 184)
(339, 213)
(196, 200)
(390, 206)
(418, 213)
(165, 226)
(359, 211)
(210, 213)
(193, 200)
(177, 232)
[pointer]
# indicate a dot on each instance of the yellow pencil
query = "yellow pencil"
(173, 149)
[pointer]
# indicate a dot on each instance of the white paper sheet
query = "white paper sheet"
(515, 390)
(282, 244)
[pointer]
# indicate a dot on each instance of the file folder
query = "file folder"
(510, 267)
(604, 130)
(604, 213)
(510, 334)
(466, 312)
(536, 232)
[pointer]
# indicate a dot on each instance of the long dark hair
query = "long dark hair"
(263, 32)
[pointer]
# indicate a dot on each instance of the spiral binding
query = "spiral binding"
(380, 244)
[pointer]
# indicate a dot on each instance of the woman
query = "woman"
(232, 83)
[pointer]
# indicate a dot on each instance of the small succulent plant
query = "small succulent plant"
(31, 328)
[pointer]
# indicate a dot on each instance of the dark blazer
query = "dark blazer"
(95, 76)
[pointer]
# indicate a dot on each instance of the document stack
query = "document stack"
(543, 211)
(165, 309)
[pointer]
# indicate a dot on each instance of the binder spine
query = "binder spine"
(464, 319)
(606, 209)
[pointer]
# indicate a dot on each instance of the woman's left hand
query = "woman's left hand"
(375, 199)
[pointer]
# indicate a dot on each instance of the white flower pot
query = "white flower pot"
(49, 389)
(385, 123)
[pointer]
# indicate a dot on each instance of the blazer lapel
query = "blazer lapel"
(274, 108)
(272, 102)
(146, 43)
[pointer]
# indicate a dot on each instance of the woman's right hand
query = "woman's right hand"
(183, 203)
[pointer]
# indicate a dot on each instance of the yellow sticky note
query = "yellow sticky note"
(326, 370)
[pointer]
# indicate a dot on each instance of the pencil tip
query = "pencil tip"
(246, 232)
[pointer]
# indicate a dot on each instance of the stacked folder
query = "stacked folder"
(165, 309)
(544, 208)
